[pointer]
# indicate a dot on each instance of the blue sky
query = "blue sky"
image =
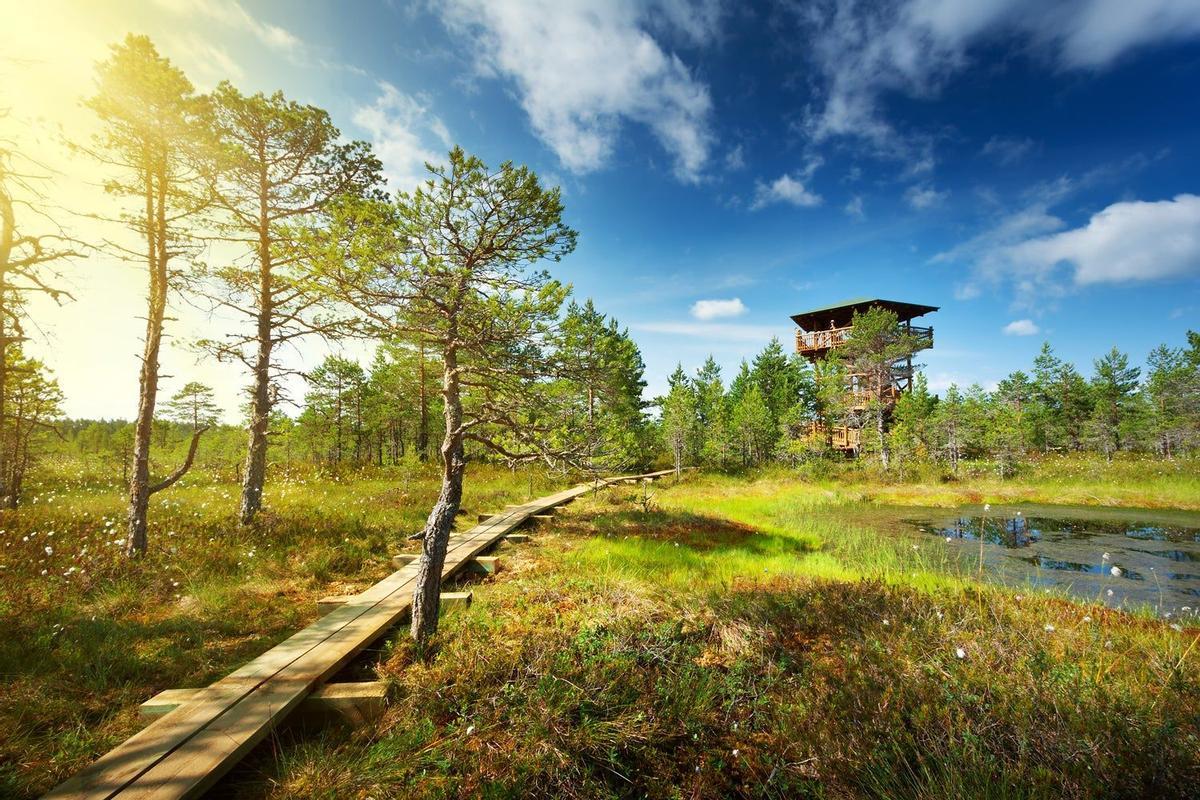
(1030, 167)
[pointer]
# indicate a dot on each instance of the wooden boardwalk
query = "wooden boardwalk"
(185, 751)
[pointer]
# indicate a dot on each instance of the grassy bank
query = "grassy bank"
(1129, 480)
(727, 636)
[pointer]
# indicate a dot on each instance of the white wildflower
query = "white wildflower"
(1116, 572)
(960, 652)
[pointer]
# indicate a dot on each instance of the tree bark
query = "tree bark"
(884, 455)
(423, 429)
(139, 481)
(426, 596)
(7, 234)
(260, 393)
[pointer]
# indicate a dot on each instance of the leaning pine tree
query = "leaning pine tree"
(450, 265)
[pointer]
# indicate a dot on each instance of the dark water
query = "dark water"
(1123, 557)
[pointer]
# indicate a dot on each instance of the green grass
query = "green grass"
(1129, 480)
(757, 636)
(744, 640)
(94, 636)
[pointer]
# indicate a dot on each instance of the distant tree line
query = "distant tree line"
(779, 408)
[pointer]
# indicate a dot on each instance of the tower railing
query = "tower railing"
(818, 341)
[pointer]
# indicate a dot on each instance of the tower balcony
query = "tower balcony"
(815, 344)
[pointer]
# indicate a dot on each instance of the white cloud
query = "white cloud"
(735, 159)
(231, 14)
(717, 309)
(400, 126)
(1008, 151)
(1021, 327)
(583, 70)
(1126, 242)
(865, 50)
(784, 189)
(922, 197)
(855, 207)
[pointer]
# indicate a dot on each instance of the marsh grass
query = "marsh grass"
(740, 641)
(87, 635)
(742, 636)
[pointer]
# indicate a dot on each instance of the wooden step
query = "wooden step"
(335, 601)
(517, 538)
(484, 565)
(355, 703)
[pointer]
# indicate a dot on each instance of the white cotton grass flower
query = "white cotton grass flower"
(735, 752)
(1116, 572)
(1105, 557)
(987, 506)
(1049, 628)
(1109, 593)
(960, 653)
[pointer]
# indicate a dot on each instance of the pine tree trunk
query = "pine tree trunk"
(7, 234)
(256, 451)
(139, 481)
(423, 430)
(260, 393)
(884, 455)
(426, 596)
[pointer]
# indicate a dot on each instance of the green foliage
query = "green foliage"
(680, 419)
(603, 376)
(193, 405)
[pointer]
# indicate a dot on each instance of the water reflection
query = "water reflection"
(1119, 556)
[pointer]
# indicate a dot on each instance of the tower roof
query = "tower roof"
(842, 314)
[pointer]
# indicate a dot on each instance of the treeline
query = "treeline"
(779, 408)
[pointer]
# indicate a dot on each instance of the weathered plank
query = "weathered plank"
(354, 702)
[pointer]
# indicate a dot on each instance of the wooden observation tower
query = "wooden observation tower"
(823, 330)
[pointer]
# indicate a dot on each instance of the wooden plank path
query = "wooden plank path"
(184, 752)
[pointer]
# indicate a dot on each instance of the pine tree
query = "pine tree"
(679, 417)
(273, 168)
(450, 265)
(151, 118)
(1114, 386)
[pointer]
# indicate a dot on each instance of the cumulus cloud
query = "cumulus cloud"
(923, 197)
(1126, 242)
(1021, 327)
(784, 189)
(718, 309)
(400, 127)
(863, 50)
(582, 71)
